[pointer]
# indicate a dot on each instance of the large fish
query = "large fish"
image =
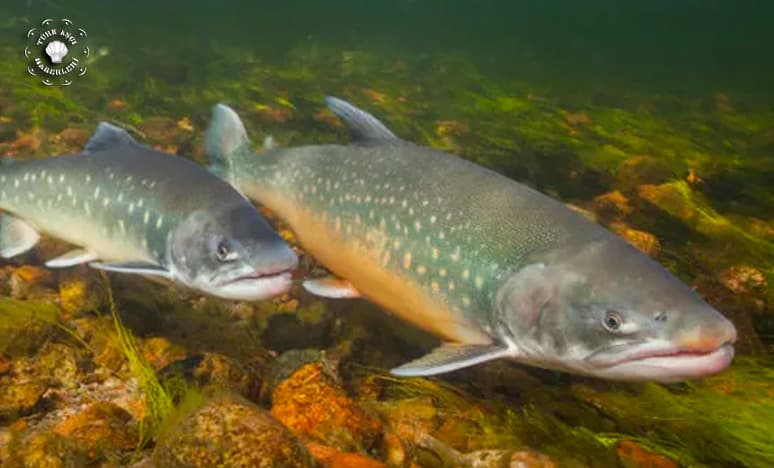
(132, 209)
(495, 268)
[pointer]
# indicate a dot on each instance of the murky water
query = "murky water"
(655, 118)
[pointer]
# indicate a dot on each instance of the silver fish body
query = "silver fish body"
(495, 268)
(133, 209)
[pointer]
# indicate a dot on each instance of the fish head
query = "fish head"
(610, 311)
(231, 253)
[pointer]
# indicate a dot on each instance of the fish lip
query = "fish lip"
(260, 276)
(660, 352)
(668, 364)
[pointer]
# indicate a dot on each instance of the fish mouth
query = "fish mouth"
(669, 364)
(257, 286)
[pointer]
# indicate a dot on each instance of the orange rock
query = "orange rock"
(276, 114)
(25, 142)
(118, 105)
(745, 279)
(332, 458)
(5, 365)
(99, 428)
(644, 241)
(633, 455)
(577, 118)
(374, 95)
(451, 127)
(33, 275)
(73, 138)
(530, 460)
(185, 124)
(310, 403)
(159, 352)
(612, 205)
(326, 117)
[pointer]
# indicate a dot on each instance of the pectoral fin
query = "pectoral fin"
(331, 286)
(449, 357)
(137, 268)
(16, 236)
(71, 258)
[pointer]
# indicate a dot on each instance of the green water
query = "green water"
(669, 103)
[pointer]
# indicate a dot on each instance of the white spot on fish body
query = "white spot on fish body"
(146, 217)
(466, 300)
(451, 285)
(417, 226)
(61, 177)
(465, 274)
(15, 182)
(96, 192)
(407, 260)
(88, 177)
(33, 177)
(87, 207)
(121, 226)
(26, 177)
(159, 222)
(421, 269)
(106, 201)
(120, 197)
(455, 256)
(69, 191)
(435, 287)
(425, 202)
(479, 281)
(436, 253)
(442, 272)
(131, 208)
(50, 180)
(140, 202)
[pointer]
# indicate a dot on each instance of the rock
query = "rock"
(59, 362)
(612, 205)
(72, 139)
(644, 241)
(332, 458)
(30, 281)
(103, 430)
(638, 170)
(507, 458)
(312, 403)
(20, 399)
(528, 459)
(633, 455)
(80, 293)
(229, 431)
(5, 366)
(46, 449)
(275, 114)
(745, 279)
(160, 352)
(327, 118)
(118, 105)
(222, 372)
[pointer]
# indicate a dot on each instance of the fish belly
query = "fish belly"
(357, 260)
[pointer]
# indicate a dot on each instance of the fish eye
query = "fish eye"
(613, 320)
(224, 252)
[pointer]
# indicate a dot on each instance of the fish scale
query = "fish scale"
(493, 267)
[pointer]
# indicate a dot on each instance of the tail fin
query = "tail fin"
(225, 140)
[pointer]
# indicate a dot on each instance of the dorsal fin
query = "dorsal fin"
(363, 126)
(226, 137)
(108, 136)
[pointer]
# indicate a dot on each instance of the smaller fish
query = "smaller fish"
(133, 209)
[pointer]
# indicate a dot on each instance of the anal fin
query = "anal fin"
(331, 286)
(449, 357)
(16, 236)
(71, 258)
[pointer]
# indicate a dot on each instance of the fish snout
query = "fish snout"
(708, 335)
(280, 258)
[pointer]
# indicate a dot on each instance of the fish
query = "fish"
(494, 268)
(131, 209)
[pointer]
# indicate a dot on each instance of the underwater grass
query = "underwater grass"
(158, 402)
(20, 321)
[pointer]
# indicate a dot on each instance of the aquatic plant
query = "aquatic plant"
(158, 402)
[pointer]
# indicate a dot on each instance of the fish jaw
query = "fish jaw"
(693, 354)
(253, 288)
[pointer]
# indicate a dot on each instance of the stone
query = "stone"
(103, 430)
(229, 431)
(633, 455)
